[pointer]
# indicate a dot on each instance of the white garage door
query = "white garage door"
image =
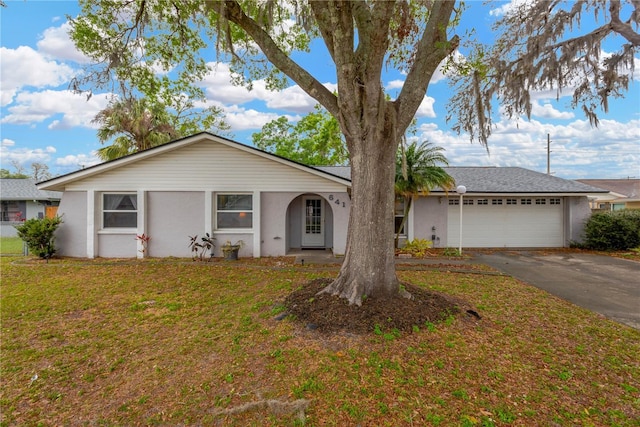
(506, 222)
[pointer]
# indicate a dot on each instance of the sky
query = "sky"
(42, 121)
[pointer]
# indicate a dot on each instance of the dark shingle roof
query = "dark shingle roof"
(499, 180)
(24, 189)
(515, 180)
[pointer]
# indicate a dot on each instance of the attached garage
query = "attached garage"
(504, 207)
(506, 222)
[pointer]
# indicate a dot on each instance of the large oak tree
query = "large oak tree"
(136, 39)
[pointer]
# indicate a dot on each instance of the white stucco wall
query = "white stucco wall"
(429, 212)
(274, 237)
(71, 236)
(172, 217)
(579, 213)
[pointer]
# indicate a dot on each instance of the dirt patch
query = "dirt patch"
(327, 313)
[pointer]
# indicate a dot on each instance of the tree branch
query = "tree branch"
(426, 60)
(234, 13)
(624, 29)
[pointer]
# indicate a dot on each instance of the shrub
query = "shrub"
(617, 230)
(417, 247)
(38, 234)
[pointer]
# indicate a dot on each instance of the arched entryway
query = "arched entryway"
(309, 223)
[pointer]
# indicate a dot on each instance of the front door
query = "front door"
(313, 222)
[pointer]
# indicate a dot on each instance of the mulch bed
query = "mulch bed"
(327, 313)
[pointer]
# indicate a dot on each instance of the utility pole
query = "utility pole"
(548, 154)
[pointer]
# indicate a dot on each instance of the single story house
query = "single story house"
(20, 200)
(208, 184)
(623, 194)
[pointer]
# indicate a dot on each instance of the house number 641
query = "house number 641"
(337, 201)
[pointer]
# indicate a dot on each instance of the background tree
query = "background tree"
(418, 171)
(542, 45)
(138, 124)
(40, 171)
(6, 173)
(135, 126)
(313, 140)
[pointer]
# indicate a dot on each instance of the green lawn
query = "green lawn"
(10, 245)
(175, 342)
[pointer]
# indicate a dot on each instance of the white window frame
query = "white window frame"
(396, 215)
(239, 211)
(103, 210)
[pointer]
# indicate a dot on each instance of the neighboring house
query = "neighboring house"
(21, 200)
(624, 194)
(209, 184)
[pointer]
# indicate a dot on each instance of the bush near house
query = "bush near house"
(39, 235)
(616, 230)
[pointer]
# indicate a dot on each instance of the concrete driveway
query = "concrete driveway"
(606, 285)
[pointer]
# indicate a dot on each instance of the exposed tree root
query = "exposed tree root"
(276, 407)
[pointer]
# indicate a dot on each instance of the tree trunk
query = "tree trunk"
(368, 268)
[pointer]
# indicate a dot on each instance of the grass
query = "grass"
(174, 342)
(10, 245)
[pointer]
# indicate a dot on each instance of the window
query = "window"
(12, 210)
(496, 201)
(234, 211)
(525, 201)
(541, 201)
(119, 210)
(453, 202)
(467, 202)
(554, 201)
(399, 216)
(483, 201)
(512, 201)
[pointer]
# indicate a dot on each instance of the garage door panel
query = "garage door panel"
(500, 226)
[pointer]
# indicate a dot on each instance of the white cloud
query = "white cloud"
(219, 90)
(426, 108)
(506, 8)
(8, 142)
(26, 155)
(292, 98)
(578, 150)
(33, 107)
(24, 67)
(395, 84)
(79, 161)
(547, 111)
(218, 87)
(242, 119)
(56, 44)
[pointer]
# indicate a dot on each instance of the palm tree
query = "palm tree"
(139, 125)
(417, 172)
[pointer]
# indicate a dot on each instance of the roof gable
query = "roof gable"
(202, 161)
